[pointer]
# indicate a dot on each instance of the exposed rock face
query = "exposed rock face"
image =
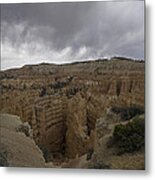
(69, 107)
(49, 123)
(17, 150)
(78, 141)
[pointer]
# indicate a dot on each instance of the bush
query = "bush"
(99, 165)
(43, 92)
(3, 158)
(130, 137)
(127, 113)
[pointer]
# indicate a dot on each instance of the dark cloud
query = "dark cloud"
(64, 32)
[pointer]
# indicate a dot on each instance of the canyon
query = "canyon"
(72, 110)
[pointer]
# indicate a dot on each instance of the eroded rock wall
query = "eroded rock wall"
(65, 104)
(78, 139)
(49, 123)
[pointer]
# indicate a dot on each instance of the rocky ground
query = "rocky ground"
(17, 148)
(69, 113)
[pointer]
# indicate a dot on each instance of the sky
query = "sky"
(67, 32)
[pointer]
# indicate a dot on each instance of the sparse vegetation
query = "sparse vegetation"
(43, 92)
(129, 137)
(127, 113)
(99, 165)
(3, 159)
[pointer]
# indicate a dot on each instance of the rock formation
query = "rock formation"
(49, 123)
(17, 149)
(73, 108)
(78, 139)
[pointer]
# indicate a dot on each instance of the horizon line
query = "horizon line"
(78, 61)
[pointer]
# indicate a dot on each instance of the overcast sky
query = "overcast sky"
(66, 32)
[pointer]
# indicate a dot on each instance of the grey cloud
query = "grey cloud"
(64, 32)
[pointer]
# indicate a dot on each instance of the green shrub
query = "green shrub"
(127, 113)
(3, 158)
(129, 137)
(99, 165)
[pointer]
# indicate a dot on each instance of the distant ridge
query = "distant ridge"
(114, 58)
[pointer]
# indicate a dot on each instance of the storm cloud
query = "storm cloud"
(67, 32)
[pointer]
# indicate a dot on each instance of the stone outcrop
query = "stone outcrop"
(17, 149)
(78, 139)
